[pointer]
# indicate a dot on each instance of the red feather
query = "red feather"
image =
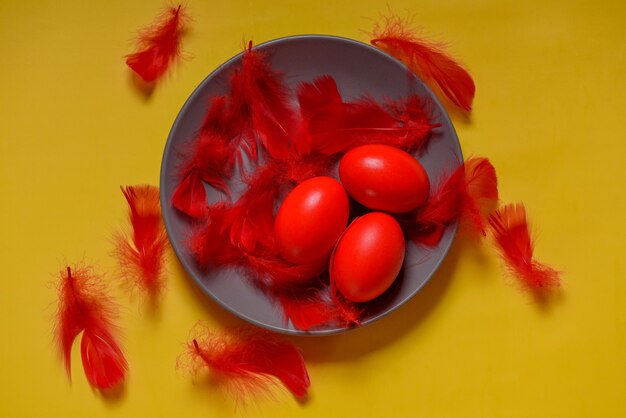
(511, 233)
(158, 45)
(210, 240)
(210, 159)
(306, 311)
(469, 193)
(142, 255)
(190, 196)
(252, 216)
(273, 272)
(260, 99)
(425, 58)
(481, 192)
(84, 305)
(311, 308)
(245, 361)
(332, 126)
(103, 360)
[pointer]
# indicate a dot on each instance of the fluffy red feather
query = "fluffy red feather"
(425, 58)
(259, 98)
(142, 252)
(468, 194)
(158, 45)
(209, 159)
(245, 361)
(84, 305)
(511, 233)
(332, 126)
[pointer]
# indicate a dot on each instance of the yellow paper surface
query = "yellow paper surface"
(549, 113)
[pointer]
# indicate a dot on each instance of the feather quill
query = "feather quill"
(85, 306)
(245, 361)
(425, 58)
(511, 233)
(142, 253)
(158, 45)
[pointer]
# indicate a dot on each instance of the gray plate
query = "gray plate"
(358, 69)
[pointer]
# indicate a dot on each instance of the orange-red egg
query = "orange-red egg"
(384, 178)
(368, 257)
(311, 219)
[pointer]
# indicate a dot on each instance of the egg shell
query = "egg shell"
(385, 178)
(311, 219)
(367, 257)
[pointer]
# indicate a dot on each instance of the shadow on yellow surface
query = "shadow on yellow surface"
(361, 341)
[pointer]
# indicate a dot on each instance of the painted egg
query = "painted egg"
(367, 257)
(311, 219)
(385, 178)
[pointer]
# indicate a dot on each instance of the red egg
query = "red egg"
(384, 178)
(311, 219)
(368, 257)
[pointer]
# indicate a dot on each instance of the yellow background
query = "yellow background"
(549, 113)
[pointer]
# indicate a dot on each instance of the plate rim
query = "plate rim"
(165, 203)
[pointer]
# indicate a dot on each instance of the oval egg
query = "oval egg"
(385, 178)
(311, 219)
(367, 257)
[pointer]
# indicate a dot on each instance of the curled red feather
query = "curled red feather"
(511, 234)
(84, 305)
(142, 252)
(425, 58)
(245, 361)
(158, 45)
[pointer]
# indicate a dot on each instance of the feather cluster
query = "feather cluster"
(425, 58)
(286, 145)
(511, 234)
(85, 306)
(158, 45)
(245, 362)
(142, 252)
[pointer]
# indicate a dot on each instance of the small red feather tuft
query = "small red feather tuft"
(481, 192)
(425, 58)
(84, 305)
(511, 233)
(468, 194)
(245, 361)
(142, 256)
(158, 45)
